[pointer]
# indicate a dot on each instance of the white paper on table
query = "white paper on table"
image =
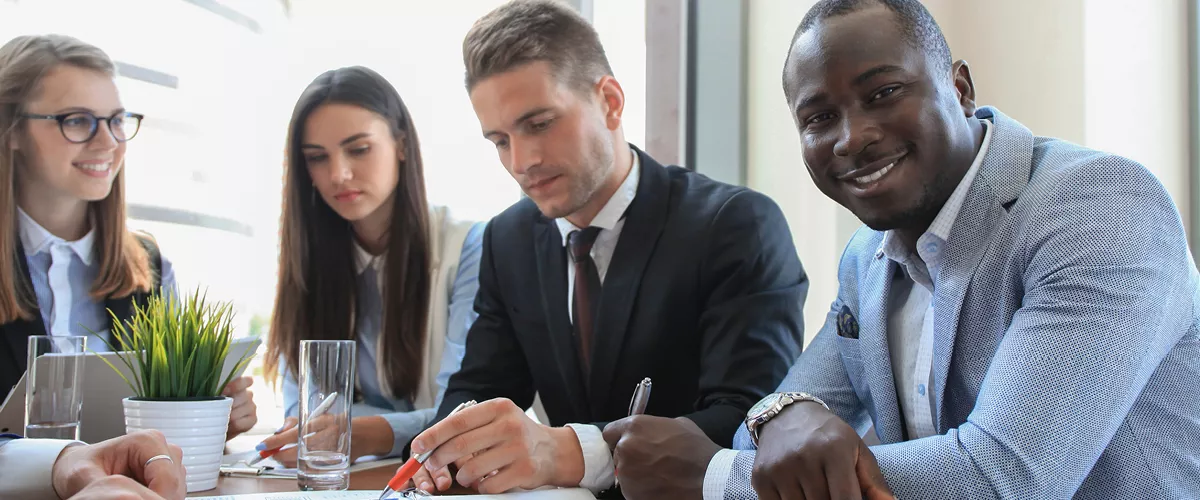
(238, 464)
(543, 494)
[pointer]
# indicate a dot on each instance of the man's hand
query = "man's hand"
(660, 457)
(116, 488)
(807, 452)
(497, 448)
(244, 413)
(79, 467)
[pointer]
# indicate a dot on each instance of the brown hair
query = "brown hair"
(315, 299)
(525, 31)
(124, 265)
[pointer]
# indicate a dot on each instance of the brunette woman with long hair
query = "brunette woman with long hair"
(365, 258)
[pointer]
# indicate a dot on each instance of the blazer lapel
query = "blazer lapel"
(19, 331)
(552, 275)
(1001, 178)
(643, 224)
(873, 333)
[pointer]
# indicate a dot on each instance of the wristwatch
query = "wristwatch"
(770, 406)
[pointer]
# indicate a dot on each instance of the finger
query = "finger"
(441, 478)
(164, 477)
(842, 480)
(506, 479)
(484, 463)
(614, 430)
(288, 458)
(237, 385)
(460, 423)
(243, 423)
(288, 423)
(422, 480)
(117, 488)
(275, 441)
(813, 486)
(242, 398)
(870, 478)
(464, 445)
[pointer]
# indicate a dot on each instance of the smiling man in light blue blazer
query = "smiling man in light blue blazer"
(1017, 320)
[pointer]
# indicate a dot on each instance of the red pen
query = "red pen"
(414, 463)
(265, 454)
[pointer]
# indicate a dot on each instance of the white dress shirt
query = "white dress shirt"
(910, 322)
(62, 273)
(911, 306)
(597, 458)
(26, 466)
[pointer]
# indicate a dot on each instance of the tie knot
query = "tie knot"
(580, 241)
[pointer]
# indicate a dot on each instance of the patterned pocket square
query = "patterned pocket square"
(847, 326)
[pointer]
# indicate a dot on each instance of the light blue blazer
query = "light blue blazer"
(1066, 344)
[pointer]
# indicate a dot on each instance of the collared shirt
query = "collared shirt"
(911, 308)
(62, 273)
(597, 458)
(26, 466)
(610, 220)
(405, 420)
(910, 322)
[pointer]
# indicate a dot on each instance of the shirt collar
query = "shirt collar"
(944, 222)
(36, 239)
(363, 259)
(612, 211)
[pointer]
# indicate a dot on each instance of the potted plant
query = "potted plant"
(176, 350)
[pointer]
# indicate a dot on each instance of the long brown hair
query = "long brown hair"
(124, 265)
(315, 299)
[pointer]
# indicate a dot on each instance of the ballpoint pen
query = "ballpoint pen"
(414, 463)
(321, 408)
(637, 406)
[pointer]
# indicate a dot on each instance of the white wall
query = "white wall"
(820, 227)
(1109, 74)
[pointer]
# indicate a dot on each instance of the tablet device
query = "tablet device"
(103, 415)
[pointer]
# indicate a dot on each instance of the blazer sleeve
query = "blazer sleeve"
(751, 325)
(819, 371)
(26, 466)
(493, 365)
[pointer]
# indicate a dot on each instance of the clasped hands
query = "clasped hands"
(805, 453)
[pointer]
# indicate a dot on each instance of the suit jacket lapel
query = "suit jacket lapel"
(1002, 176)
(552, 275)
(644, 223)
(20, 330)
(873, 333)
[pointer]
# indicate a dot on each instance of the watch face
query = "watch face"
(764, 404)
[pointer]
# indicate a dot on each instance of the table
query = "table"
(369, 479)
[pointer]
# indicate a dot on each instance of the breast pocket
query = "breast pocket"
(853, 361)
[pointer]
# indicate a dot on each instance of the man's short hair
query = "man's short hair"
(526, 31)
(916, 25)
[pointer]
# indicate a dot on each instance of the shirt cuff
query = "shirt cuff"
(597, 458)
(717, 475)
(28, 465)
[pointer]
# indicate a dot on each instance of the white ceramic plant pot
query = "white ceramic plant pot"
(198, 427)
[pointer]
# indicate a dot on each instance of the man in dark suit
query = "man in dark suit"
(614, 268)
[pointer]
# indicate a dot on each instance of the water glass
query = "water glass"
(53, 389)
(326, 394)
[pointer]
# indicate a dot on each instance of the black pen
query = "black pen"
(637, 406)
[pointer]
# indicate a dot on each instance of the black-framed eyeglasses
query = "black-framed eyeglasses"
(81, 126)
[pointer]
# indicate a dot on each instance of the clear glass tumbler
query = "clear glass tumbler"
(53, 389)
(326, 394)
